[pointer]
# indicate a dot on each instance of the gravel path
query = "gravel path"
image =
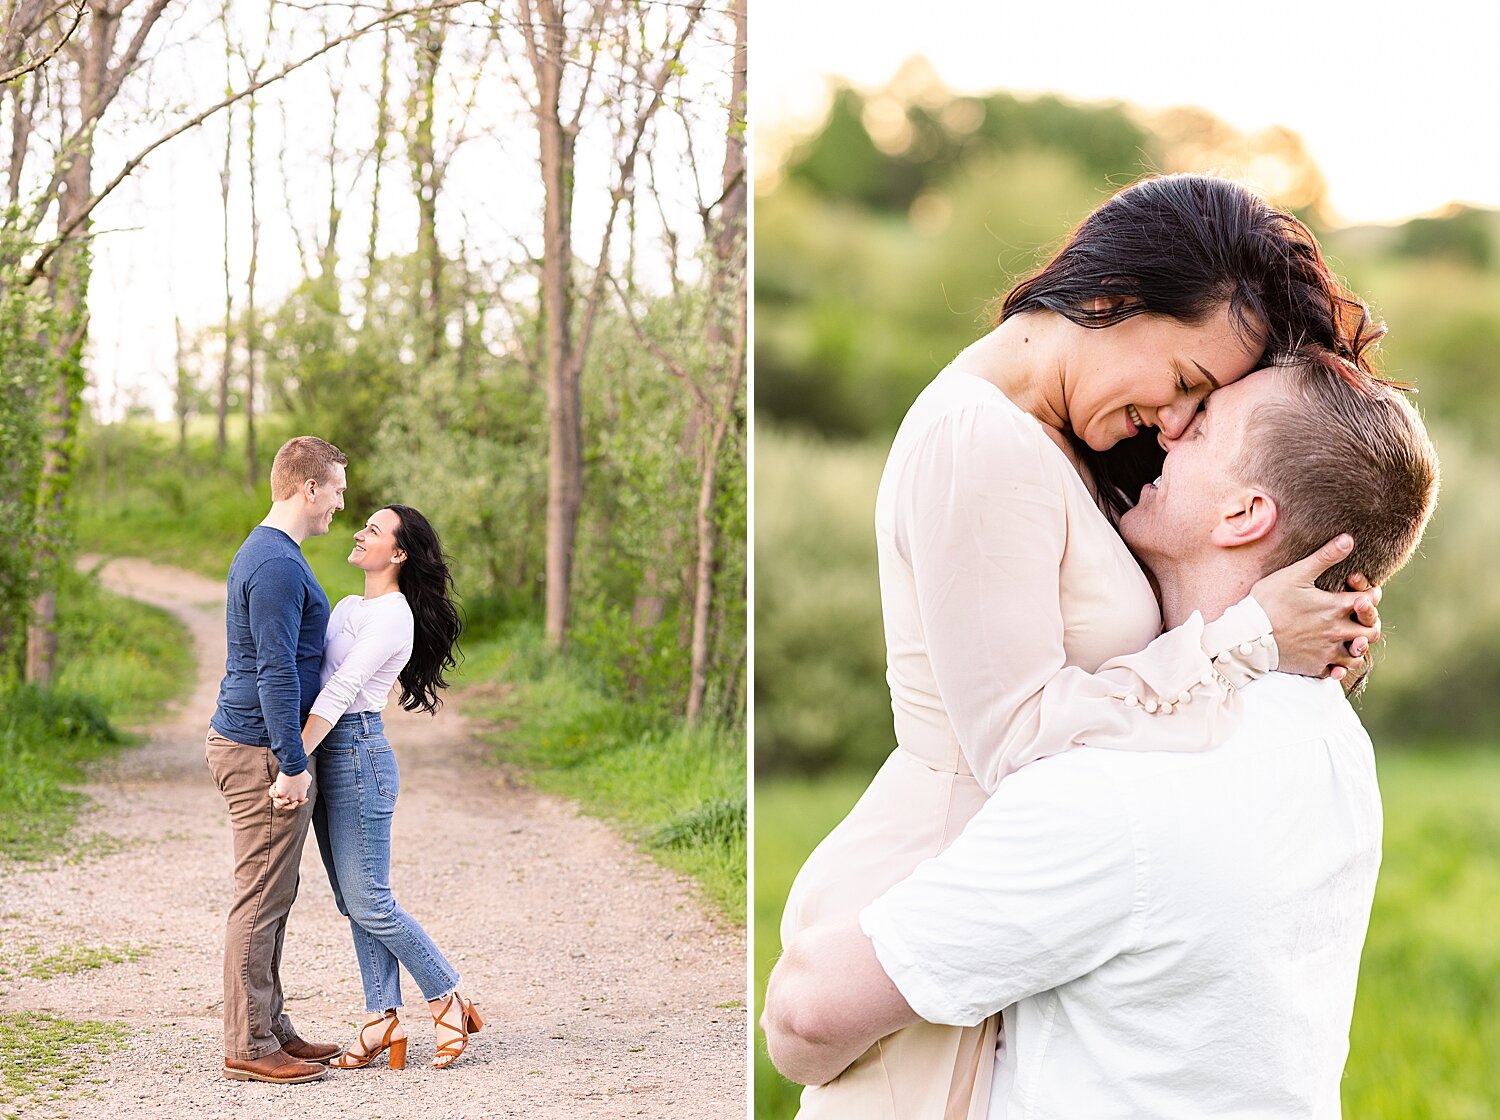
(607, 991)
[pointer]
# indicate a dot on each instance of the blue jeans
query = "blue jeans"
(357, 786)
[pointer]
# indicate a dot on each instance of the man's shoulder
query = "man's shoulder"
(1281, 706)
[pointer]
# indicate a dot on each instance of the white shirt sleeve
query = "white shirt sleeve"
(980, 519)
(1045, 884)
(381, 648)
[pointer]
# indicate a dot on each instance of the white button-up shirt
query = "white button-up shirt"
(1171, 935)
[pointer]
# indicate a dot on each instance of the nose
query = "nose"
(1173, 419)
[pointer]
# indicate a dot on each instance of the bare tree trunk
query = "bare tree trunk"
(252, 341)
(549, 52)
(426, 171)
(546, 45)
(184, 383)
(382, 140)
(68, 280)
(226, 366)
(728, 239)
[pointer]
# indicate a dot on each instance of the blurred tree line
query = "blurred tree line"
(882, 241)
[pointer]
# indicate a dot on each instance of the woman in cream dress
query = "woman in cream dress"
(1008, 597)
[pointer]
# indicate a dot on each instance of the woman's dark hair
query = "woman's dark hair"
(1181, 246)
(428, 586)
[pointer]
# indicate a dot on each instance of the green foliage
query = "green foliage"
(923, 138)
(1427, 1015)
(820, 693)
(856, 311)
(679, 791)
(21, 378)
(1465, 234)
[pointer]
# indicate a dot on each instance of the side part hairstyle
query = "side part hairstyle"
(299, 459)
(1181, 245)
(428, 587)
(1341, 452)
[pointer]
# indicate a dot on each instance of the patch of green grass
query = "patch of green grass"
(65, 960)
(118, 662)
(42, 1056)
(678, 791)
(45, 738)
(791, 816)
(1426, 1031)
(1426, 1028)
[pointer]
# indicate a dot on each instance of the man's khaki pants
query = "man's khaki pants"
(267, 852)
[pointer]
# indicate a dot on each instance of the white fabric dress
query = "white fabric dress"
(1007, 598)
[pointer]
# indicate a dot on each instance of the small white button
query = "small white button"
(1246, 649)
(1132, 701)
(1184, 697)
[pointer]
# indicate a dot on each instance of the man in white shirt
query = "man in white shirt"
(1169, 934)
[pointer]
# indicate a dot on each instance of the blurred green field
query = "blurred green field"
(1425, 1043)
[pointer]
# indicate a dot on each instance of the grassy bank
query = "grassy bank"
(118, 661)
(1427, 1018)
(677, 791)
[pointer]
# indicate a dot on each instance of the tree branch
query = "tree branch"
(38, 266)
(37, 63)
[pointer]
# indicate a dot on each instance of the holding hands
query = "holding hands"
(290, 793)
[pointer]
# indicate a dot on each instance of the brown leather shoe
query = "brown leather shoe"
(278, 1067)
(311, 1051)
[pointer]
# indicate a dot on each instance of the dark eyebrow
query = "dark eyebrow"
(1212, 380)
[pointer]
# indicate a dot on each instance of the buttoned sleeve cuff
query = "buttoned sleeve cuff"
(1240, 644)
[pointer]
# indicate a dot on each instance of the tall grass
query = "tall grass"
(1426, 1028)
(677, 791)
(118, 662)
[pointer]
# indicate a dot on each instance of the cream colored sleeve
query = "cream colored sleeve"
(982, 522)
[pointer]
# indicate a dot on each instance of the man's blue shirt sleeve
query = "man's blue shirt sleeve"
(275, 594)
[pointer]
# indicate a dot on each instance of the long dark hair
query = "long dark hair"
(428, 586)
(1180, 245)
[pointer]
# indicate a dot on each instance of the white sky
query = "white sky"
(1398, 102)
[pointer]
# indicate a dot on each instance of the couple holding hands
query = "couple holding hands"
(297, 739)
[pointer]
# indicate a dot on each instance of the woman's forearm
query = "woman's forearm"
(314, 732)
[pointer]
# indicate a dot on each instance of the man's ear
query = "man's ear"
(1249, 516)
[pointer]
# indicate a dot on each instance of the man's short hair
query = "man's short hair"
(302, 458)
(1341, 452)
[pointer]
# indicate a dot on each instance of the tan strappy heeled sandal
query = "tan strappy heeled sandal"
(468, 1023)
(358, 1059)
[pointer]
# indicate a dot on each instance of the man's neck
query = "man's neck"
(288, 520)
(1210, 587)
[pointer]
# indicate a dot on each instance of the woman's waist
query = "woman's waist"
(927, 735)
(361, 722)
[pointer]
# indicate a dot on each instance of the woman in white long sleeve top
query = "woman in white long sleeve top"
(403, 629)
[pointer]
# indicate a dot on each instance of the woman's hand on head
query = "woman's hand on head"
(1320, 633)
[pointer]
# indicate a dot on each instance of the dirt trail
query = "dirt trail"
(607, 991)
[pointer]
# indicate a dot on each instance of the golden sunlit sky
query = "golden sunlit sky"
(1398, 103)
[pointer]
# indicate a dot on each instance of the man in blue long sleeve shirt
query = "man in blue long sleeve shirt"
(275, 617)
